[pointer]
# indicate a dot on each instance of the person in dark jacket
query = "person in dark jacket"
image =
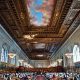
(75, 78)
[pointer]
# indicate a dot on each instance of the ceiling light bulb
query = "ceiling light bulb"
(56, 14)
(33, 35)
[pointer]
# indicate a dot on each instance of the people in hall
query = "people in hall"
(54, 77)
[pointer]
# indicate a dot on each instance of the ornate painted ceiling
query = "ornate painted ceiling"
(40, 27)
(40, 11)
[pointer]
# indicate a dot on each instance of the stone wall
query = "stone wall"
(5, 38)
(67, 47)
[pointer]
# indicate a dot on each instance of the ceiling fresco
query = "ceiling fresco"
(40, 11)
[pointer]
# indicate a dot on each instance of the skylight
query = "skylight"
(39, 11)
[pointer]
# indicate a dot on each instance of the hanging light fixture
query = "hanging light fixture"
(27, 36)
(11, 55)
(59, 60)
(68, 55)
(30, 36)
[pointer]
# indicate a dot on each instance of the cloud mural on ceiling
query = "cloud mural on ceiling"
(40, 11)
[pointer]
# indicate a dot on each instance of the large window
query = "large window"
(4, 53)
(76, 54)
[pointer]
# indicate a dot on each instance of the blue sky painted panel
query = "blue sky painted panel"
(40, 11)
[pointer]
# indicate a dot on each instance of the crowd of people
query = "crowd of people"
(39, 76)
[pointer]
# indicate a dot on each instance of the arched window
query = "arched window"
(76, 54)
(4, 53)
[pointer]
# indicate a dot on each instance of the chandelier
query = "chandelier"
(68, 55)
(11, 55)
(29, 36)
(59, 60)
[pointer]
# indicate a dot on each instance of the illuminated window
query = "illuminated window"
(4, 53)
(40, 11)
(76, 54)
